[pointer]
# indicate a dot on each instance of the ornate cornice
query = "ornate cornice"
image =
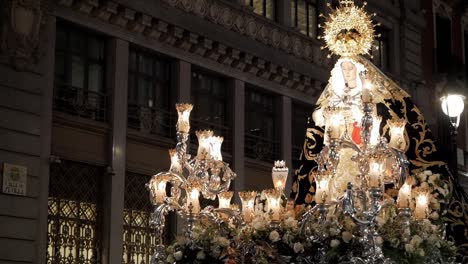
(238, 19)
(173, 35)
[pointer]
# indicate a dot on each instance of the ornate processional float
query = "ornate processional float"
(365, 205)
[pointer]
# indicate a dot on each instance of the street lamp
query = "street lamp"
(453, 103)
(452, 106)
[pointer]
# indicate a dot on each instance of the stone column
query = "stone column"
(286, 137)
(238, 135)
(115, 180)
(182, 80)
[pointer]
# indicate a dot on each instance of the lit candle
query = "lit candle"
(335, 126)
(248, 205)
(215, 148)
(375, 174)
(158, 189)
(175, 164)
(404, 196)
(183, 123)
(397, 134)
(420, 212)
(192, 198)
(279, 174)
(224, 199)
(204, 144)
(274, 199)
(375, 132)
(322, 192)
(366, 87)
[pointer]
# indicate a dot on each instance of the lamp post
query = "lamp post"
(452, 106)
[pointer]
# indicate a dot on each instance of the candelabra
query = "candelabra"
(379, 163)
(205, 174)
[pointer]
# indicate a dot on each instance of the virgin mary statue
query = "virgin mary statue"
(349, 84)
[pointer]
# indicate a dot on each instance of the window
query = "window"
(211, 111)
(80, 73)
(465, 36)
(74, 213)
(149, 99)
(304, 16)
(380, 49)
(139, 240)
(266, 8)
(300, 116)
(262, 126)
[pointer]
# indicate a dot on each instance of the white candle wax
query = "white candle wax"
(192, 198)
(420, 212)
(404, 196)
(375, 174)
(321, 193)
(335, 126)
(160, 192)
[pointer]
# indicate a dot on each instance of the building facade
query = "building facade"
(87, 105)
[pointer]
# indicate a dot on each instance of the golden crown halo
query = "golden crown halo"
(348, 30)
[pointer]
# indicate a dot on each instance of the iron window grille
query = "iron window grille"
(149, 97)
(139, 240)
(74, 213)
(80, 70)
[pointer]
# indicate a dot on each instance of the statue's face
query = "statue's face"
(349, 71)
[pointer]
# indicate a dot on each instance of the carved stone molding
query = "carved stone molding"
(442, 8)
(154, 28)
(22, 24)
(249, 24)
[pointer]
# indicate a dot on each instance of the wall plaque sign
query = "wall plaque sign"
(14, 179)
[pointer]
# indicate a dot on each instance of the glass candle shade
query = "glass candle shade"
(397, 134)
(193, 195)
(204, 144)
(175, 164)
(322, 193)
(248, 205)
(274, 203)
(224, 199)
(183, 122)
(279, 174)
(215, 146)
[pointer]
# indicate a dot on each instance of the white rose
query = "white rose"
(178, 255)
(433, 179)
(428, 172)
(274, 236)
(334, 231)
(409, 248)
(422, 177)
(379, 240)
(421, 252)
(170, 259)
(201, 255)
(290, 222)
(346, 236)
(434, 216)
(424, 185)
(380, 220)
(334, 243)
(298, 247)
(416, 240)
(222, 241)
